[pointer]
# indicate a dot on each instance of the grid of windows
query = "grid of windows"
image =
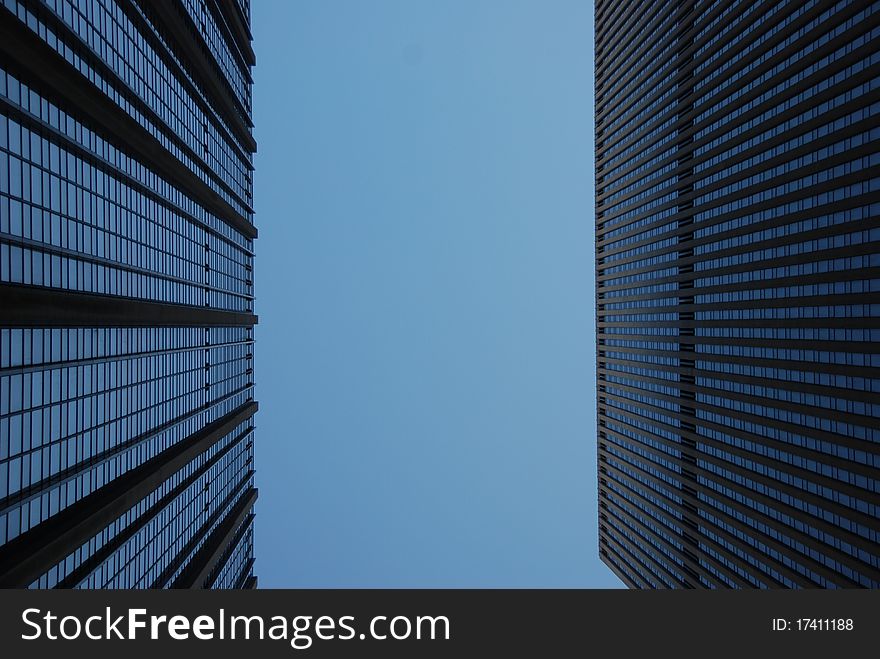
(151, 421)
(738, 292)
(98, 42)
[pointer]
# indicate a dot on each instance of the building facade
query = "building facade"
(738, 292)
(126, 294)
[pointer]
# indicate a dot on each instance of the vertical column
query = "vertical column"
(684, 190)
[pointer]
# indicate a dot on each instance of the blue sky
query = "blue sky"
(425, 357)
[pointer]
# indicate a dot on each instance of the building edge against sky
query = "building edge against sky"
(738, 270)
(126, 289)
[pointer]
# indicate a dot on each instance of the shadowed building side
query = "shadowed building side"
(738, 292)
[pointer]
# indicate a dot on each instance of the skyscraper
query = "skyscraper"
(738, 292)
(126, 294)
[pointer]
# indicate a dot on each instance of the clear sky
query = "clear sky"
(425, 353)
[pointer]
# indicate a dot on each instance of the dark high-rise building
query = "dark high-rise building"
(126, 294)
(738, 301)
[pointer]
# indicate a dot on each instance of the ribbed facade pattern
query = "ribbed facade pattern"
(738, 292)
(126, 294)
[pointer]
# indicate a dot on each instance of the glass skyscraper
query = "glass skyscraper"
(738, 292)
(126, 294)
